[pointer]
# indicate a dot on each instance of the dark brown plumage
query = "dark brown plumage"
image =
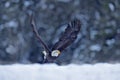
(68, 37)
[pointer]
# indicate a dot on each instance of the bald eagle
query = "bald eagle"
(68, 37)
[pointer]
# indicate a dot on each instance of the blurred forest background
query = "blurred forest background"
(98, 40)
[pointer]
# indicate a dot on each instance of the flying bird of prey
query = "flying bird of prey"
(68, 37)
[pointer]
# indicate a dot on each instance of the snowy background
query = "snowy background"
(95, 55)
(98, 40)
(101, 71)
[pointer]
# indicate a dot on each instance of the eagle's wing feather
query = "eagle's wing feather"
(68, 36)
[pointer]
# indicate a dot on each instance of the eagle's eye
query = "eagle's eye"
(55, 53)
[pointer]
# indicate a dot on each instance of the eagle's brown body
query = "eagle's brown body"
(68, 37)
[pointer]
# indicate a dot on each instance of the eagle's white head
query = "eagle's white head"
(54, 53)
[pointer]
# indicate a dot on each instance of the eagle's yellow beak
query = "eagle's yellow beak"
(55, 53)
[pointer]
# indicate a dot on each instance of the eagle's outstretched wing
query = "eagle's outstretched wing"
(68, 36)
(65, 40)
(45, 46)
